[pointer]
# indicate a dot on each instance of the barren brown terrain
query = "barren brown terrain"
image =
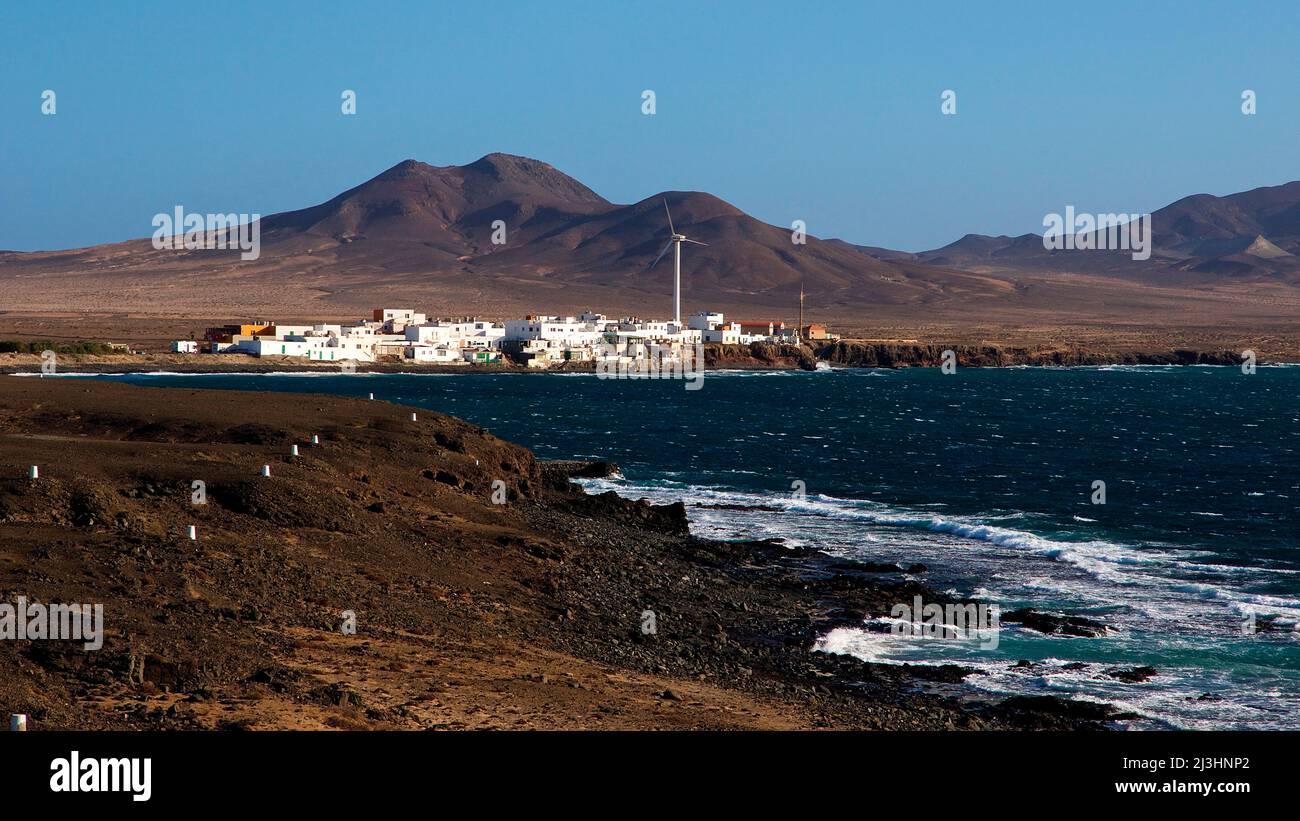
(469, 613)
(1223, 276)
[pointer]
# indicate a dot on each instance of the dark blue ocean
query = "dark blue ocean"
(986, 476)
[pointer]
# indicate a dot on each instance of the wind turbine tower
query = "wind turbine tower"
(675, 241)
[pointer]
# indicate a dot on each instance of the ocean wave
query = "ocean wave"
(1171, 700)
(1149, 578)
(52, 375)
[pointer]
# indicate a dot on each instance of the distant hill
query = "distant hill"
(449, 208)
(428, 229)
(560, 230)
(1253, 234)
(422, 235)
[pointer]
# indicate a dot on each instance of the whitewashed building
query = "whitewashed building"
(438, 354)
(704, 320)
(395, 320)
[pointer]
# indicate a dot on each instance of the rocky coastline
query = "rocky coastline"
(755, 356)
(484, 588)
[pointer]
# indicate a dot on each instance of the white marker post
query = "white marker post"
(35, 473)
(315, 440)
(293, 450)
(266, 470)
(18, 722)
(193, 533)
(372, 396)
(412, 417)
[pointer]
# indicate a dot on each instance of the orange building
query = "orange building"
(228, 333)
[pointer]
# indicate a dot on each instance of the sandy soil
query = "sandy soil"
(1101, 313)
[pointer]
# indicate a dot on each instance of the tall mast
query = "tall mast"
(799, 331)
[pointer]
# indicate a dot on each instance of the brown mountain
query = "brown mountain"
(422, 235)
(441, 219)
(1253, 234)
(450, 208)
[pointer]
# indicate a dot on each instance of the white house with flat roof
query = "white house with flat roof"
(470, 333)
(395, 320)
(726, 334)
(315, 348)
(564, 331)
(704, 320)
(442, 354)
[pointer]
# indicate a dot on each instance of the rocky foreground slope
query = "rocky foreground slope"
(487, 591)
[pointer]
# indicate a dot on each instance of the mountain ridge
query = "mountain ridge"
(1249, 233)
(427, 234)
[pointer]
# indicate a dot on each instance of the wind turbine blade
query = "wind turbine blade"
(670, 217)
(696, 242)
(661, 255)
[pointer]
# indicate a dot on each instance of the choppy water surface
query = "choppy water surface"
(987, 477)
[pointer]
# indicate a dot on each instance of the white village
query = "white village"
(535, 341)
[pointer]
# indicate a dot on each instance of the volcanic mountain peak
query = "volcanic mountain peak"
(405, 168)
(489, 180)
(979, 243)
(525, 173)
(507, 233)
(444, 205)
(1272, 211)
(687, 207)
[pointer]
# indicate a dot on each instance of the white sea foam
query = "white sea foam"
(1137, 589)
(1171, 699)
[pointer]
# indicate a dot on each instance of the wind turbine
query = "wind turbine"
(676, 241)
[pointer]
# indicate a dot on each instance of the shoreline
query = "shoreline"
(281, 371)
(756, 357)
(461, 599)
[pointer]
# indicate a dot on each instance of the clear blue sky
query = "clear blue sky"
(828, 113)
